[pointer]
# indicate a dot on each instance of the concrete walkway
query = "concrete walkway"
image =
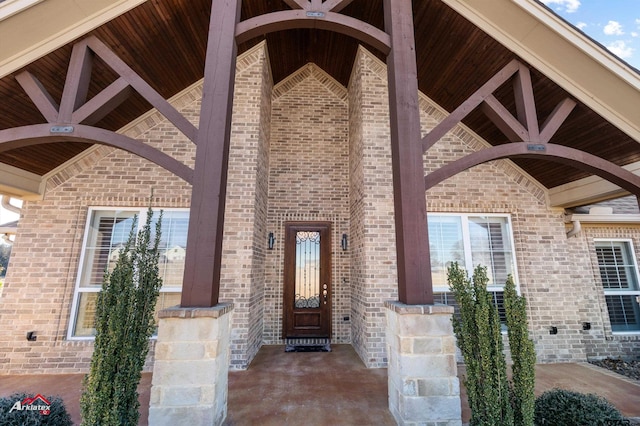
(327, 388)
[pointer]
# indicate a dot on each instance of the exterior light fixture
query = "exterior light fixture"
(553, 330)
(271, 241)
(344, 243)
(31, 336)
(586, 326)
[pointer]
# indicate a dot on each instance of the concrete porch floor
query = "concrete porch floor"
(323, 388)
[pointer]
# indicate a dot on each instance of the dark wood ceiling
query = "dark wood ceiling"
(165, 41)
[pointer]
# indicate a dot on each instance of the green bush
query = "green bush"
(559, 407)
(124, 324)
(479, 338)
(522, 353)
(57, 416)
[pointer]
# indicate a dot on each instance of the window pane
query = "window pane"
(173, 244)
(108, 232)
(624, 312)
(491, 247)
(86, 316)
(617, 269)
(445, 245)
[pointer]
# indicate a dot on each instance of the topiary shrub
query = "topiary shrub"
(14, 411)
(479, 338)
(124, 324)
(559, 407)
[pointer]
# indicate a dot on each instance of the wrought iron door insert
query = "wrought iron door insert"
(307, 280)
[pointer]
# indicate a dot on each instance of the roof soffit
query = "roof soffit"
(30, 34)
(577, 64)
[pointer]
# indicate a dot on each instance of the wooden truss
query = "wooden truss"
(73, 120)
(527, 138)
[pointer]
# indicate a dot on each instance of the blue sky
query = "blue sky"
(613, 23)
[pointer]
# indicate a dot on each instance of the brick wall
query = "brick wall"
(244, 246)
(373, 263)
(308, 181)
(305, 150)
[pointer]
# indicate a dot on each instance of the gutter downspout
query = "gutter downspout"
(6, 239)
(575, 230)
(5, 201)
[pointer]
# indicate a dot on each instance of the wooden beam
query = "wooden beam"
(38, 134)
(558, 116)
(412, 239)
(504, 120)
(290, 19)
(297, 4)
(77, 82)
(470, 104)
(526, 104)
(335, 5)
(47, 106)
(201, 284)
(552, 152)
(143, 88)
(103, 103)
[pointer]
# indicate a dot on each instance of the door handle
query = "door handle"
(324, 293)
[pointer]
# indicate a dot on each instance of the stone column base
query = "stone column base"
(191, 369)
(423, 385)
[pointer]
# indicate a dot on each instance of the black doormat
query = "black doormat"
(301, 344)
(307, 348)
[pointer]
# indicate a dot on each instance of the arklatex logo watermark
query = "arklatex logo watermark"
(37, 403)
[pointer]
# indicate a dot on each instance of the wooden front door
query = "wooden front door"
(307, 280)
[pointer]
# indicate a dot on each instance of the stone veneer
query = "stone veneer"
(191, 369)
(423, 384)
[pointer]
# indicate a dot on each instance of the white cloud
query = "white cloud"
(634, 34)
(613, 28)
(569, 6)
(620, 48)
(581, 25)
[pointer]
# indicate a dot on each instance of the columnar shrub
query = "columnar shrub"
(124, 324)
(479, 338)
(522, 354)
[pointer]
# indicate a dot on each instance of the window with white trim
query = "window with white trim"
(619, 275)
(471, 240)
(106, 232)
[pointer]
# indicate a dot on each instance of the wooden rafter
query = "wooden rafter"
(300, 18)
(470, 104)
(74, 107)
(553, 152)
(20, 137)
(521, 128)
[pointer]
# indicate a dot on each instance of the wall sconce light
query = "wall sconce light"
(31, 336)
(553, 330)
(586, 326)
(271, 241)
(344, 243)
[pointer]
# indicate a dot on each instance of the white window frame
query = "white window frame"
(468, 258)
(78, 289)
(466, 240)
(608, 292)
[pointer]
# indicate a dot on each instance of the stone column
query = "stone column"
(190, 373)
(423, 383)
